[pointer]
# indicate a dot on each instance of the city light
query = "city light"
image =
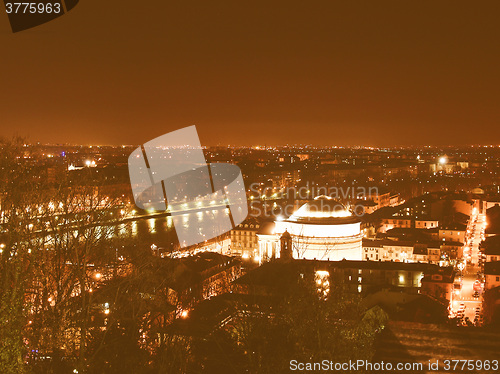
(357, 225)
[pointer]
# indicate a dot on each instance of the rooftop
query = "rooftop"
(492, 268)
(280, 274)
(491, 246)
(454, 226)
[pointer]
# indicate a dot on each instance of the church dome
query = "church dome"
(323, 210)
(322, 229)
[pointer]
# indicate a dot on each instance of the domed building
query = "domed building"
(322, 229)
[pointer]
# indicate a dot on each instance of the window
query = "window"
(498, 279)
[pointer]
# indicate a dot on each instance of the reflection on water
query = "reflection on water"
(121, 229)
(160, 230)
(152, 225)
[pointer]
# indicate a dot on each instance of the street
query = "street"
(464, 301)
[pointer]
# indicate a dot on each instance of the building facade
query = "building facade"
(322, 229)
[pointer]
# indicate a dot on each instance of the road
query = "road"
(465, 297)
(477, 227)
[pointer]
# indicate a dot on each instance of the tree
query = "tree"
(329, 247)
(19, 225)
(77, 232)
(306, 324)
(300, 243)
(53, 238)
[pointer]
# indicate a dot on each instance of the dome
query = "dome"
(323, 209)
(321, 229)
(286, 235)
(478, 191)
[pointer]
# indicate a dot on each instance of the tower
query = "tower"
(286, 251)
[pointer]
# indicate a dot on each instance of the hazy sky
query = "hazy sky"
(257, 72)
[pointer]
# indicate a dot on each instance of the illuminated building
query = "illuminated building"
(492, 275)
(321, 229)
(453, 232)
(244, 241)
(440, 284)
(363, 277)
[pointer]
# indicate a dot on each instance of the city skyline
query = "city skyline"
(249, 187)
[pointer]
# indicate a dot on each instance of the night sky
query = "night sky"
(379, 73)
